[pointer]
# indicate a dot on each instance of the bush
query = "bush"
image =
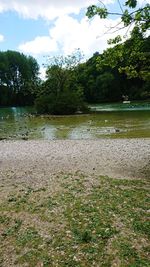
(64, 103)
(41, 104)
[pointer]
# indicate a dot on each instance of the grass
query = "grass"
(89, 221)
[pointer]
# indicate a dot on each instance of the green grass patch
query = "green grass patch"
(29, 237)
(91, 221)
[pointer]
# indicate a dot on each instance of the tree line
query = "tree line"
(122, 69)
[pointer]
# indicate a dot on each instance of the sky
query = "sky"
(55, 27)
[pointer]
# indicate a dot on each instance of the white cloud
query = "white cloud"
(89, 36)
(47, 9)
(67, 34)
(83, 34)
(143, 2)
(50, 9)
(42, 73)
(40, 45)
(1, 38)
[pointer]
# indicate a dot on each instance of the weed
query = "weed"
(12, 230)
(142, 226)
(35, 257)
(4, 219)
(29, 237)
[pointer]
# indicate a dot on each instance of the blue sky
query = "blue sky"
(53, 27)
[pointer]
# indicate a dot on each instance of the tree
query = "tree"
(105, 83)
(61, 93)
(131, 57)
(130, 15)
(99, 84)
(18, 78)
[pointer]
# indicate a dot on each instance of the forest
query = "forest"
(123, 69)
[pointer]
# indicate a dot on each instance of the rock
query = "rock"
(24, 138)
(2, 138)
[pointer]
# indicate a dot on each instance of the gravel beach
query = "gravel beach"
(35, 161)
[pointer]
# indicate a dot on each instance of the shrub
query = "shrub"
(64, 103)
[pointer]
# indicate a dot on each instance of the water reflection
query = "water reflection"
(48, 133)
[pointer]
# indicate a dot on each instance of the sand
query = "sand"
(34, 161)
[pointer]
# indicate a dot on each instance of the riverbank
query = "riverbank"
(34, 161)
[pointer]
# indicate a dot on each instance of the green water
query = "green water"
(108, 121)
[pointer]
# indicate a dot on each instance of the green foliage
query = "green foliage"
(42, 103)
(106, 82)
(91, 11)
(18, 78)
(61, 93)
(64, 103)
(133, 54)
(95, 10)
(120, 70)
(99, 85)
(123, 69)
(139, 16)
(132, 57)
(131, 3)
(126, 17)
(115, 40)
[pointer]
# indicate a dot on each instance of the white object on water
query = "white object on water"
(126, 102)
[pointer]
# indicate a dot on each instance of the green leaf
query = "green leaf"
(94, 10)
(131, 3)
(115, 40)
(138, 16)
(126, 18)
(91, 11)
(102, 12)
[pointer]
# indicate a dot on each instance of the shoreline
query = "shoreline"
(35, 161)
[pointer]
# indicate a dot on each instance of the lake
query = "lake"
(106, 121)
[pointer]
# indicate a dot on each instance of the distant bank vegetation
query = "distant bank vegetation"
(70, 83)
